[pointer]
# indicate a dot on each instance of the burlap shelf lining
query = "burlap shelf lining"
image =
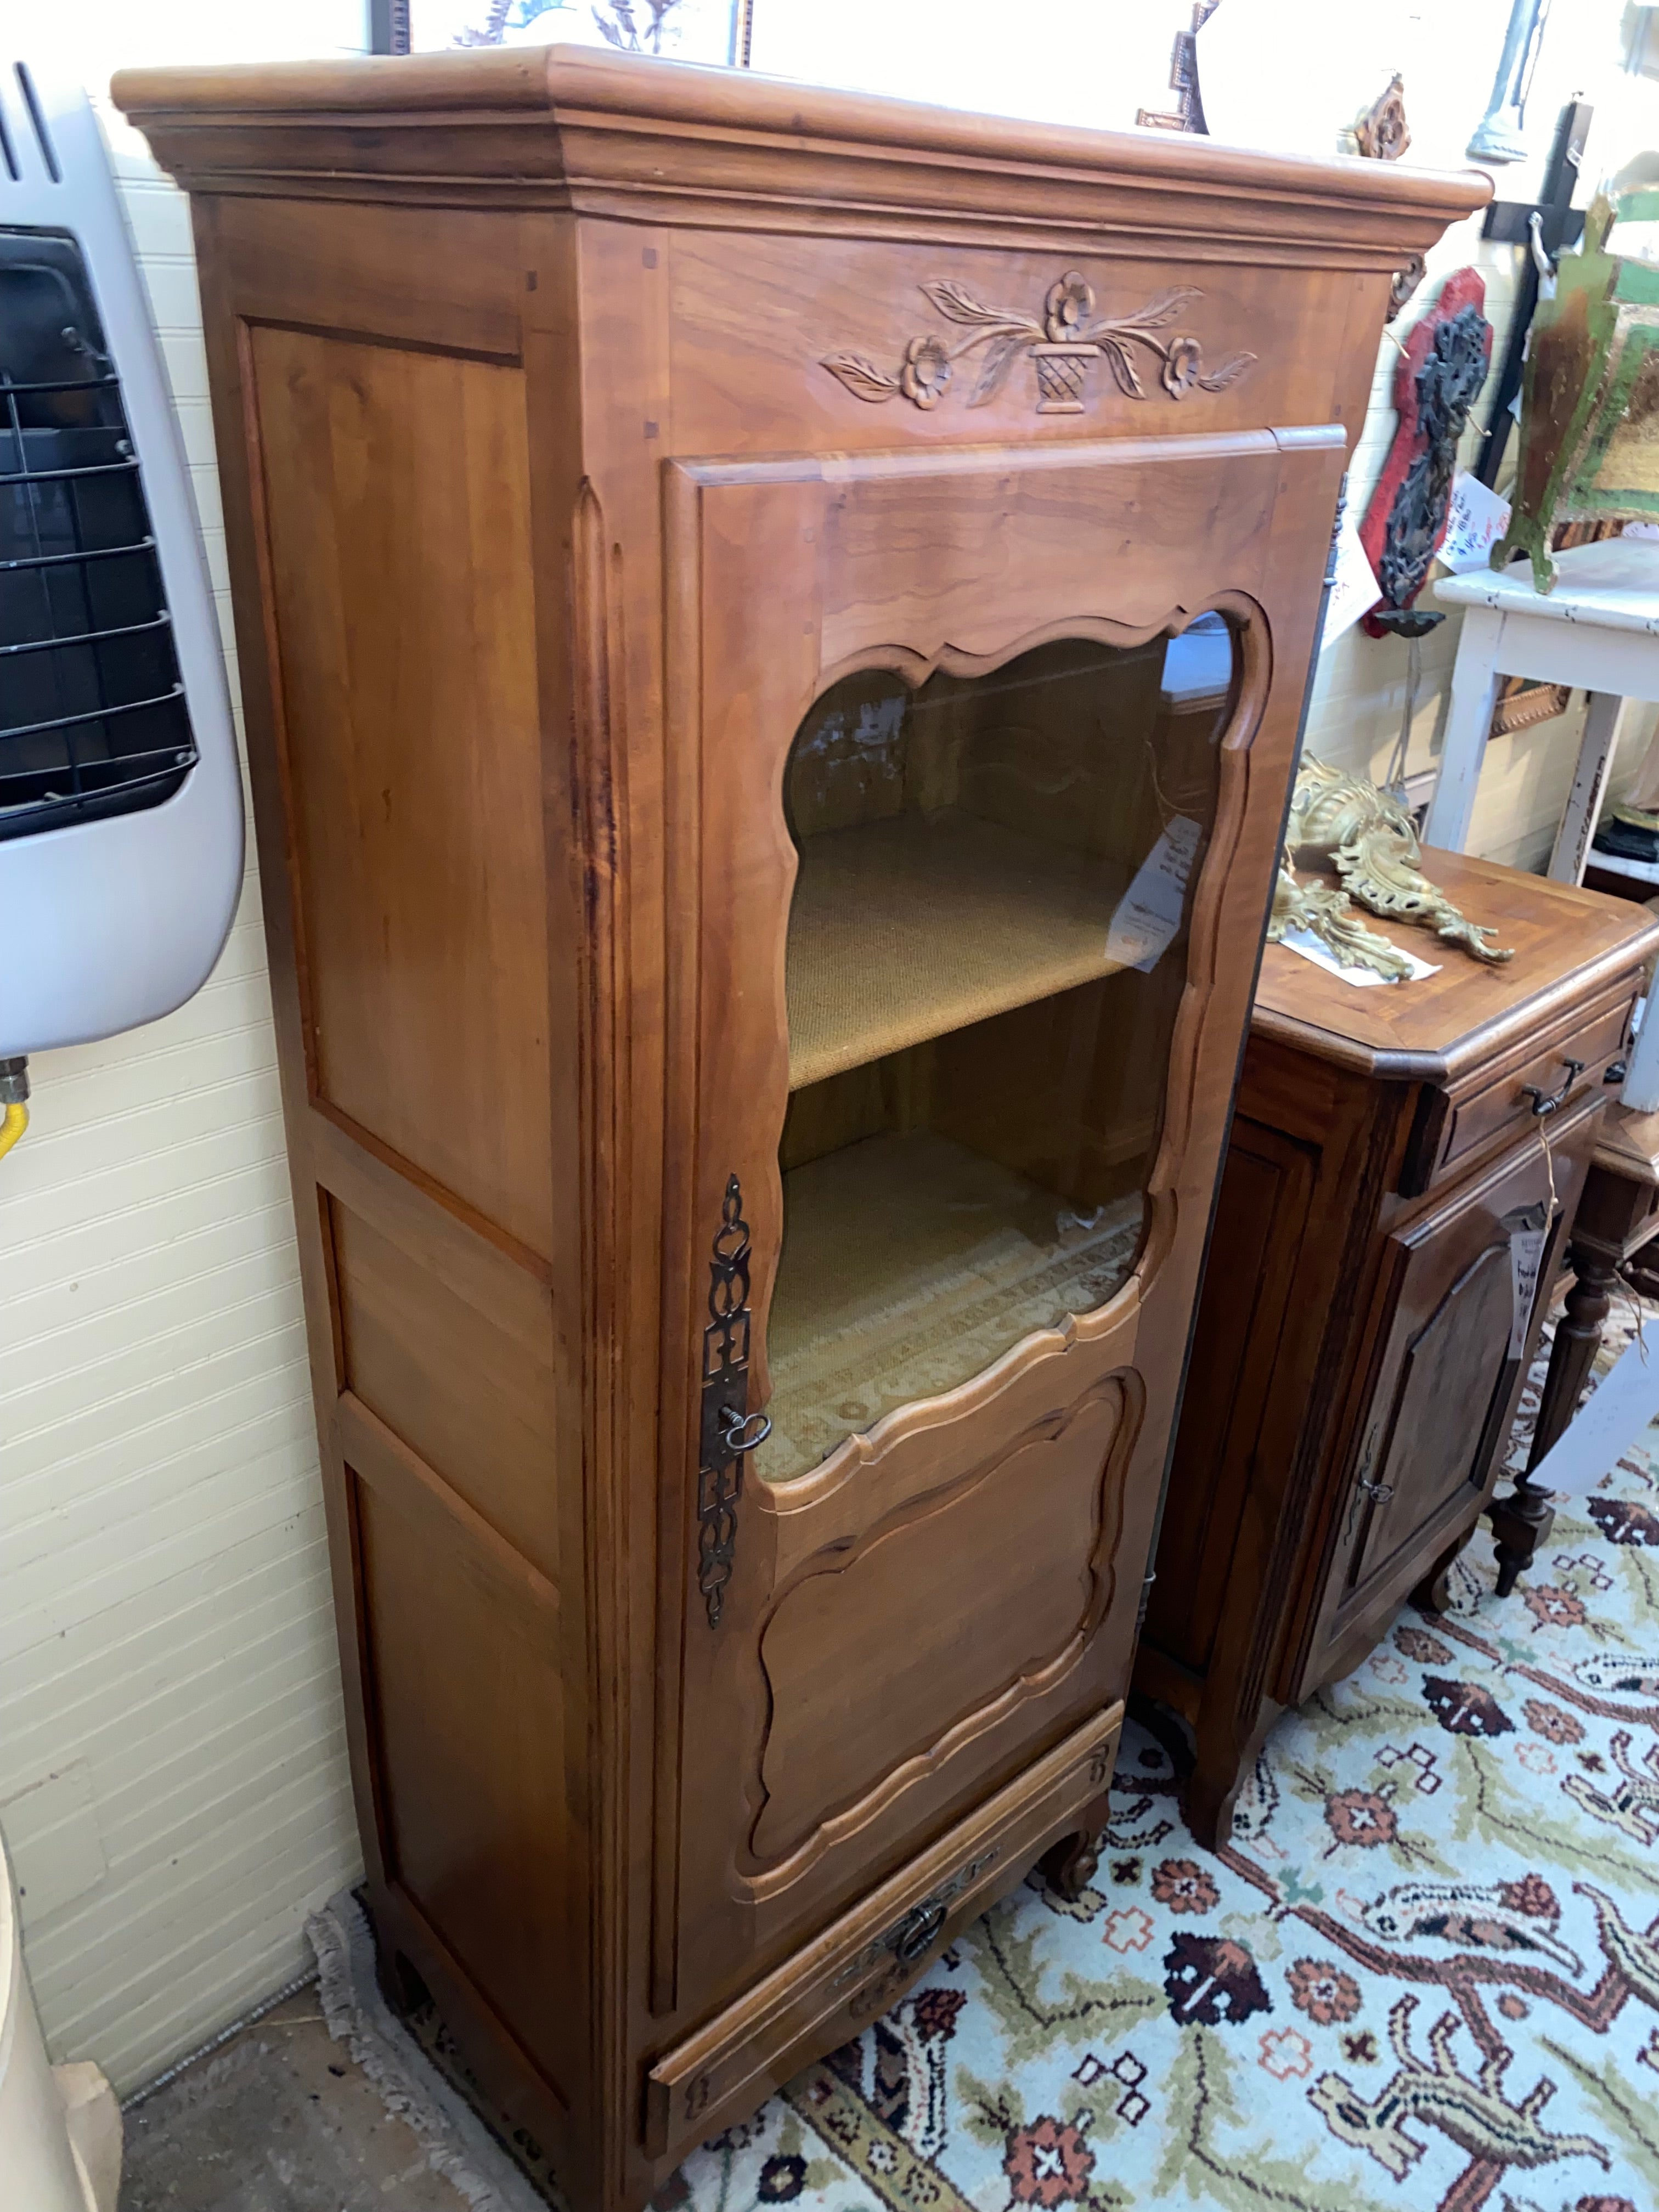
(907, 928)
(910, 1264)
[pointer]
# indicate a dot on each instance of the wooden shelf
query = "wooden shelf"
(907, 928)
(909, 1265)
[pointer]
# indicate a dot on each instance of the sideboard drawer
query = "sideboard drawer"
(862, 1963)
(1497, 1104)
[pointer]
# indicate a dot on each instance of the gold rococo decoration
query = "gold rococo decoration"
(1365, 837)
(1063, 347)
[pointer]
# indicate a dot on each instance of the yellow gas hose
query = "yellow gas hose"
(13, 1122)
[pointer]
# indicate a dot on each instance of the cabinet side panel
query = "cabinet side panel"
(467, 1727)
(1249, 1288)
(473, 1399)
(398, 542)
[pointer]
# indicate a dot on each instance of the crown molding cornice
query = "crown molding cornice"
(649, 141)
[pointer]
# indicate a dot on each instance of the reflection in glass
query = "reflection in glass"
(987, 948)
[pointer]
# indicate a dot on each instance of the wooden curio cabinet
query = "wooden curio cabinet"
(773, 626)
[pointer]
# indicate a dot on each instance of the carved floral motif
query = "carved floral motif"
(1063, 346)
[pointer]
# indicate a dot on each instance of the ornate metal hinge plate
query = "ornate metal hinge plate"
(729, 1431)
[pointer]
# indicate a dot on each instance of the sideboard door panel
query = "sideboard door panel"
(1452, 1366)
(1444, 1391)
(877, 669)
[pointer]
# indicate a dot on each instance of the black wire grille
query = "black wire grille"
(93, 717)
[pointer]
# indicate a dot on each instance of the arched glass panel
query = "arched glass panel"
(987, 949)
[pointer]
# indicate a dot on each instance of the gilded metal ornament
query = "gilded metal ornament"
(1343, 825)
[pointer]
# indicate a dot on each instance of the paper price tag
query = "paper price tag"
(1354, 588)
(1304, 942)
(1150, 912)
(1528, 1226)
(1475, 521)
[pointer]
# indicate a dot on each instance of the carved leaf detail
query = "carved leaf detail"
(1155, 312)
(861, 377)
(998, 336)
(957, 303)
(1000, 356)
(1123, 368)
(1229, 372)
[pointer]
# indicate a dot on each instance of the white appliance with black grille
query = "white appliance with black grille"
(120, 797)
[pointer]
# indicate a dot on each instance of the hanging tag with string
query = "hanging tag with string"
(1529, 1232)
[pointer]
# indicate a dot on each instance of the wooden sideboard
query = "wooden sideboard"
(773, 626)
(1358, 1353)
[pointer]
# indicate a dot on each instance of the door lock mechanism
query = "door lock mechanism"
(741, 1433)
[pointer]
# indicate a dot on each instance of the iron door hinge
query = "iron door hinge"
(729, 1431)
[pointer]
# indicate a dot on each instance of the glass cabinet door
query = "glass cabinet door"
(986, 951)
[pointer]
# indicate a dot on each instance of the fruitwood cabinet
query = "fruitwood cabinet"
(1359, 1349)
(773, 626)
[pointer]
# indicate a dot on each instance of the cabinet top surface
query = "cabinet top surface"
(552, 126)
(1569, 942)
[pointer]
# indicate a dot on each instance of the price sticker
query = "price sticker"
(1528, 1227)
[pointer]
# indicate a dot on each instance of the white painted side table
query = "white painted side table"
(1598, 629)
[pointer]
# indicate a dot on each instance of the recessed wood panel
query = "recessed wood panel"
(475, 1402)
(396, 496)
(1452, 1366)
(1248, 1294)
(976, 556)
(468, 1743)
(965, 1601)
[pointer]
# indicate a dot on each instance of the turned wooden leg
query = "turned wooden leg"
(1521, 1522)
(1577, 1340)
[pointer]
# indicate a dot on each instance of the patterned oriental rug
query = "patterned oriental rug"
(1425, 1974)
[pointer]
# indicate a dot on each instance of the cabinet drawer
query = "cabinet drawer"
(1494, 1104)
(862, 1963)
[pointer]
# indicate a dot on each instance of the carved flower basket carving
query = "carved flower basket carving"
(1063, 346)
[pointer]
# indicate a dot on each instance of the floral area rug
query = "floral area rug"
(1424, 1975)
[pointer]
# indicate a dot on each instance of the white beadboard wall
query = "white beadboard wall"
(173, 1780)
(173, 1776)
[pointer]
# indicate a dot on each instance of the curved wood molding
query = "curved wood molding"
(570, 127)
(782, 1845)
